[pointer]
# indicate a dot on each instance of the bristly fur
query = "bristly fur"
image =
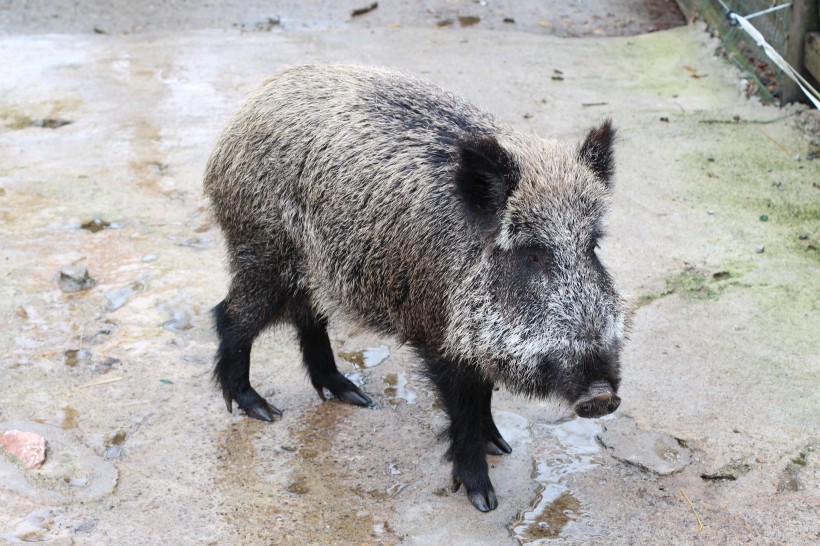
(364, 193)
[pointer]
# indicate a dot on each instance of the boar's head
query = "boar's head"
(535, 308)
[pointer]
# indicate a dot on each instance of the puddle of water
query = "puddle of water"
(513, 427)
(372, 356)
(357, 378)
(39, 526)
(555, 511)
(550, 517)
(72, 472)
(397, 388)
(319, 507)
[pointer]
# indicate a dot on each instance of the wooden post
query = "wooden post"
(811, 55)
(804, 20)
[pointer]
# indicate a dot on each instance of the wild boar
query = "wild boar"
(364, 194)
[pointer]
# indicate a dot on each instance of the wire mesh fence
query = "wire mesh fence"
(764, 79)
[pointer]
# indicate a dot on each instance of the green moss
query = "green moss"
(697, 284)
(750, 175)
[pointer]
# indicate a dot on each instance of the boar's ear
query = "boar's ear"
(486, 174)
(596, 151)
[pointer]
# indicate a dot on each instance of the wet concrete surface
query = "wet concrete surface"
(723, 353)
(573, 18)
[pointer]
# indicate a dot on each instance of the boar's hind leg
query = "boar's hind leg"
(237, 330)
(464, 395)
(494, 443)
(318, 356)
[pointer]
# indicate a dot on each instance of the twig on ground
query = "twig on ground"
(355, 12)
(97, 383)
(692, 506)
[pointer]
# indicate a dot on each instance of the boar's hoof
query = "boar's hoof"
(252, 404)
(482, 498)
(497, 446)
(343, 390)
(484, 501)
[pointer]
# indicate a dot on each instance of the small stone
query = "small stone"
(509, 20)
(760, 249)
(74, 278)
(651, 450)
(803, 236)
(105, 365)
(731, 471)
(150, 258)
(86, 526)
(28, 447)
(95, 224)
(181, 316)
(119, 297)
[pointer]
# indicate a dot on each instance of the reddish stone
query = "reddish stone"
(29, 447)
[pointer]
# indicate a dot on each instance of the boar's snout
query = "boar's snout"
(599, 400)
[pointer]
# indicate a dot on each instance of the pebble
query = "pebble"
(181, 316)
(28, 447)
(119, 297)
(74, 278)
(651, 450)
(95, 224)
(760, 249)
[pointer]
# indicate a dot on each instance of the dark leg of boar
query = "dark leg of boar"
(233, 362)
(494, 444)
(465, 396)
(318, 358)
(254, 302)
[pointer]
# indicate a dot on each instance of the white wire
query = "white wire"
(805, 86)
(765, 11)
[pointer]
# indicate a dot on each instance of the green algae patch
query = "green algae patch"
(755, 177)
(792, 478)
(695, 283)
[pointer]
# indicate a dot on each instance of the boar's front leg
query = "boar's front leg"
(494, 443)
(465, 397)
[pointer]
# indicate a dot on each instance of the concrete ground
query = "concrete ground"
(713, 234)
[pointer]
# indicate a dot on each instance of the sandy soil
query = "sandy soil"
(723, 362)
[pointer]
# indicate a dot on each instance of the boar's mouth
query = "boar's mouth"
(598, 400)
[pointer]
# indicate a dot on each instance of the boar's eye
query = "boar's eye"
(537, 257)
